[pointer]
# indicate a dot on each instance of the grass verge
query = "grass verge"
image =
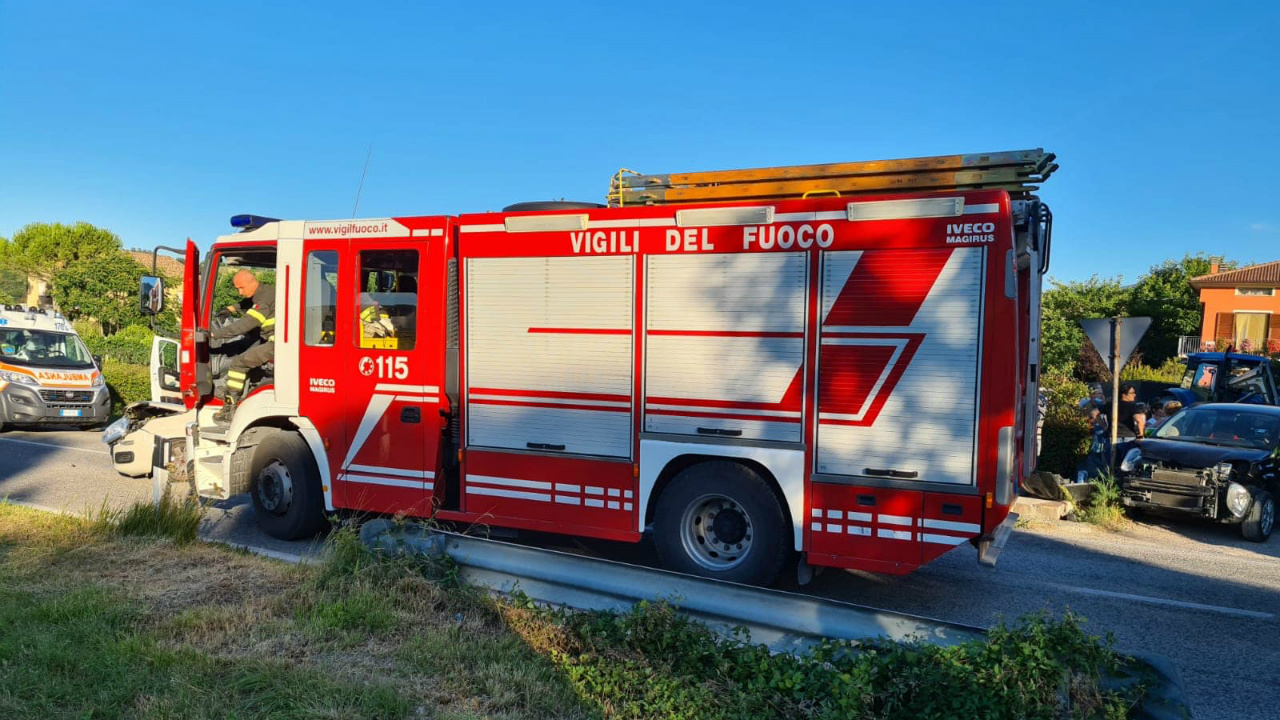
(105, 623)
(178, 520)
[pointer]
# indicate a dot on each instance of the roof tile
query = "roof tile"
(1264, 274)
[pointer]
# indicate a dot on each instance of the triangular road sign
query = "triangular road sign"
(1131, 331)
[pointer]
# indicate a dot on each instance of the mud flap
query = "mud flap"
(989, 547)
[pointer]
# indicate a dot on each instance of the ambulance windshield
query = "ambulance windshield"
(40, 348)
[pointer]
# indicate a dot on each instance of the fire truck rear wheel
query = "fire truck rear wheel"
(285, 488)
(721, 520)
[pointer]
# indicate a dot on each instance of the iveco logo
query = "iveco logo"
(323, 385)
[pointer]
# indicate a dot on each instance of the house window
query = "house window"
(1251, 328)
(1255, 291)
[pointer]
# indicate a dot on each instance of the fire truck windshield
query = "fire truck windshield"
(41, 348)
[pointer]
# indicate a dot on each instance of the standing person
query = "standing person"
(1095, 463)
(1132, 420)
(261, 316)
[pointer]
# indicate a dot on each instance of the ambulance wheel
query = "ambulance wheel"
(721, 520)
(285, 488)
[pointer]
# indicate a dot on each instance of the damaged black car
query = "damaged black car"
(1217, 461)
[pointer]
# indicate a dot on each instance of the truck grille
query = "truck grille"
(64, 397)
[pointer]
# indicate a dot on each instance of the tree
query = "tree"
(105, 289)
(1062, 308)
(41, 249)
(1165, 295)
(13, 285)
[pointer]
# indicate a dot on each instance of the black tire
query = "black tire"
(1261, 518)
(288, 505)
(689, 512)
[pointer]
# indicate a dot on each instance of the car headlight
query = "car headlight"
(97, 381)
(18, 378)
(115, 431)
(1237, 499)
(1130, 462)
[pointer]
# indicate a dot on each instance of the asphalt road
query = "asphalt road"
(1196, 593)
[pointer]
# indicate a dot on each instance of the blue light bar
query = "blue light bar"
(250, 222)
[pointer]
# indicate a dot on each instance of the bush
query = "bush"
(1170, 371)
(652, 662)
(1066, 437)
(127, 383)
(1104, 508)
(131, 345)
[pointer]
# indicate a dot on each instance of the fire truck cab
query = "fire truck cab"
(848, 379)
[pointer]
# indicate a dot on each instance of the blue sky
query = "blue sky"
(160, 121)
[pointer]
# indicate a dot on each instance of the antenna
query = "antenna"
(362, 174)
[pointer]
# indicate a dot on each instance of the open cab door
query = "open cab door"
(187, 356)
(166, 388)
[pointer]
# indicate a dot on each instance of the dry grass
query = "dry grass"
(96, 624)
(428, 647)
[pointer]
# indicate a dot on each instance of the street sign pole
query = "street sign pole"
(1115, 387)
(1115, 339)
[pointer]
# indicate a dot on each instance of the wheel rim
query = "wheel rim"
(716, 532)
(1268, 517)
(275, 488)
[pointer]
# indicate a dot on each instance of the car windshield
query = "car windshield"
(40, 348)
(1223, 426)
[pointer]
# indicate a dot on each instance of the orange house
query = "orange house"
(1241, 306)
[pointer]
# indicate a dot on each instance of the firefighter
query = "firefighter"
(376, 329)
(259, 316)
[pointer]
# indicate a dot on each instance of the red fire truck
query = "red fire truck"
(849, 379)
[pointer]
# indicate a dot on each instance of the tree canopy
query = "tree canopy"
(41, 249)
(105, 289)
(1163, 293)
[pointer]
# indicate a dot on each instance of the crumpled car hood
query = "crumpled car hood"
(1196, 455)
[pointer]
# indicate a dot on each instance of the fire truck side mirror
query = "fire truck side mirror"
(151, 295)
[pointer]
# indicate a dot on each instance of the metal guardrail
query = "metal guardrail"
(781, 620)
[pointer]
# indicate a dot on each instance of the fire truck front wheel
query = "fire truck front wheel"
(285, 487)
(721, 520)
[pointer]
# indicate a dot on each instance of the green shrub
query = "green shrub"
(130, 345)
(1104, 508)
(653, 662)
(1170, 371)
(1065, 436)
(127, 383)
(87, 328)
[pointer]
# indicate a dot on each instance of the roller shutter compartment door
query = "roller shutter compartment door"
(549, 354)
(899, 352)
(725, 345)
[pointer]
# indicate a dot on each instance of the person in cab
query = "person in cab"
(260, 316)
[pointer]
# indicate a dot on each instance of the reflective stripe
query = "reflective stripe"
(237, 374)
(270, 322)
(257, 316)
(235, 384)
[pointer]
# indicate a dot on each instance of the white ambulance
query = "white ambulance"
(47, 375)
